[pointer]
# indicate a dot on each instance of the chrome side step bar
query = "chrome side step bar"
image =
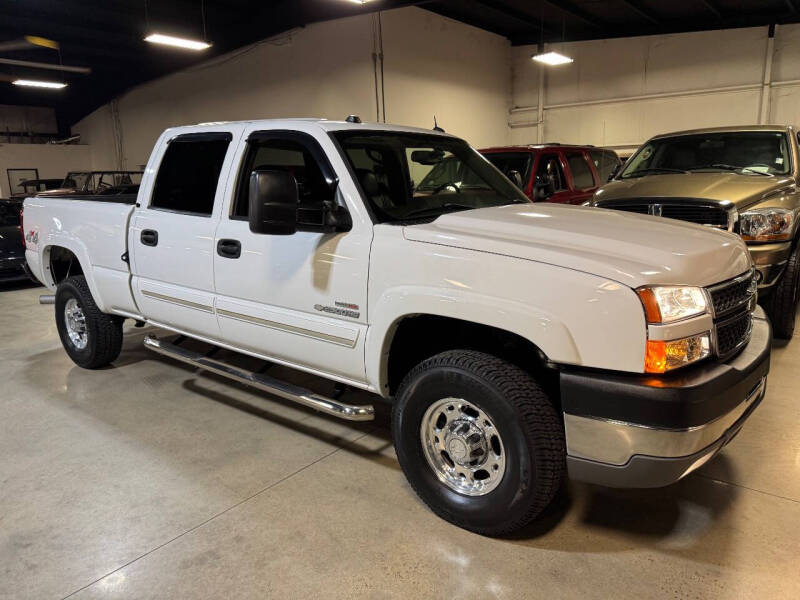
(329, 406)
(47, 299)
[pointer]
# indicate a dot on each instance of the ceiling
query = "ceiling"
(107, 35)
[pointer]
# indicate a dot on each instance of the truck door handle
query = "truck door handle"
(149, 237)
(229, 248)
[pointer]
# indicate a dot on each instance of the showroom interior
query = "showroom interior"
(382, 299)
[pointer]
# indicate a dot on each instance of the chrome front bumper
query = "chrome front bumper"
(665, 428)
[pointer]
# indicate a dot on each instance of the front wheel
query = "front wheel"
(479, 441)
(781, 306)
(92, 338)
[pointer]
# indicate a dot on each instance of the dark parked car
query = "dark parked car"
(555, 172)
(94, 183)
(12, 250)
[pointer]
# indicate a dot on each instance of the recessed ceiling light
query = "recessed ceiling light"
(552, 58)
(168, 40)
(41, 84)
(359, 1)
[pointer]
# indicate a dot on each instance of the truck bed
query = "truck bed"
(94, 229)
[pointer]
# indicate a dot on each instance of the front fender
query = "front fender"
(573, 317)
(552, 336)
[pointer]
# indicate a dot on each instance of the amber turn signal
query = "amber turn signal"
(651, 309)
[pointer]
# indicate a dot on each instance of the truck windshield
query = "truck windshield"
(75, 180)
(406, 176)
(521, 162)
(743, 152)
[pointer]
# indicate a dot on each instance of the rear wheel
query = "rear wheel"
(92, 338)
(479, 441)
(782, 304)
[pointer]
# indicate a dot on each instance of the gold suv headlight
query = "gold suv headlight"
(766, 224)
(670, 303)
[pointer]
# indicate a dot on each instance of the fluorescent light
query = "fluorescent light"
(42, 84)
(552, 58)
(168, 40)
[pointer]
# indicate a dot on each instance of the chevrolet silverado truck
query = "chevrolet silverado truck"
(517, 342)
(739, 179)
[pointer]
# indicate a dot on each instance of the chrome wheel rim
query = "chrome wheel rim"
(75, 321)
(462, 446)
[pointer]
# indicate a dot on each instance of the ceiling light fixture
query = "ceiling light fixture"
(552, 58)
(168, 40)
(55, 85)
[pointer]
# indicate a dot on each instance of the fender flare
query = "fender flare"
(77, 248)
(554, 338)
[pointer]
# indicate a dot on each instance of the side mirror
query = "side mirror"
(273, 201)
(615, 172)
(543, 187)
(516, 177)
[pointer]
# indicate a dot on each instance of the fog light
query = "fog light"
(662, 356)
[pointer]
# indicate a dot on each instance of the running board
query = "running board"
(329, 406)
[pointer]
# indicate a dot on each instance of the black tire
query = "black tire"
(781, 305)
(104, 332)
(532, 433)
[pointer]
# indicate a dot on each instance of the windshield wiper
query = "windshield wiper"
(726, 167)
(642, 172)
(446, 205)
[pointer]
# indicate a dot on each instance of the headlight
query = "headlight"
(766, 224)
(670, 303)
(662, 356)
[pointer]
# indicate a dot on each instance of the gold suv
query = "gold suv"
(740, 179)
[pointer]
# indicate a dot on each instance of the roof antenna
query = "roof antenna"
(436, 125)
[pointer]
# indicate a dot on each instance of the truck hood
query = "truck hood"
(741, 190)
(632, 249)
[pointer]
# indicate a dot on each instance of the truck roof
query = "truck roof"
(776, 128)
(327, 125)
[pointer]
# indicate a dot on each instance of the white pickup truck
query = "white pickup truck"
(516, 341)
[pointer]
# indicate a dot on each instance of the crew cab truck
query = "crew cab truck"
(742, 179)
(516, 341)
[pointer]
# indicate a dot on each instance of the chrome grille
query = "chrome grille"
(733, 302)
(710, 214)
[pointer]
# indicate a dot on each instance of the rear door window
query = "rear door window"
(189, 173)
(582, 177)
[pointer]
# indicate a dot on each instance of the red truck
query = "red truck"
(555, 172)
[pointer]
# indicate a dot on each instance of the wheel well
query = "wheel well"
(419, 337)
(62, 264)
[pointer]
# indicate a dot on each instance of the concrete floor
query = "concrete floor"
(148, 480)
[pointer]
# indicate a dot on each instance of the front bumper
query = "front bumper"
(644, 431)
(770, 261)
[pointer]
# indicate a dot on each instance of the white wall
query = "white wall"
(620, 92)
(52, 160)
(432, 65)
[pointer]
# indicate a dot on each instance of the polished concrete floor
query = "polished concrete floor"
(150, 480)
